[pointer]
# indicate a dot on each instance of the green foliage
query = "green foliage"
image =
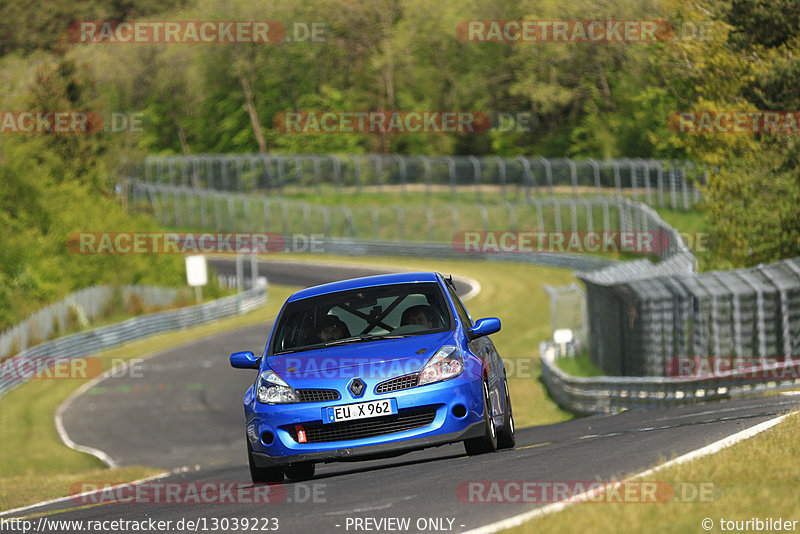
(595, 100)
(52, 186)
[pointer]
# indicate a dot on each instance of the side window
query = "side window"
(462, 312)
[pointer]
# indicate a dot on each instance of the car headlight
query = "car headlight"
(271, 389)
(446, 363)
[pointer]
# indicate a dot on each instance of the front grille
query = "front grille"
(396, 384)
(366, 428)
(317, 395)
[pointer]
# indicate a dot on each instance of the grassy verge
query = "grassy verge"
(756, 478)
(35, 465)
(579, 365)
(696, 233)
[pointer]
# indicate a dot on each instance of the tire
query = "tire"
(300, 471)
(262, 475)
(487, 442)
(505, 436)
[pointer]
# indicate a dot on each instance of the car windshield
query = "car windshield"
(360, 315)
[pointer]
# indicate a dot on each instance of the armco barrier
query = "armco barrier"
(89, 302)
(612, 394)
(99, 339)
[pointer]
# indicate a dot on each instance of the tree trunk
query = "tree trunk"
(251, 111)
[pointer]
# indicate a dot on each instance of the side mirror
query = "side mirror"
(484, 327)
(245, 360)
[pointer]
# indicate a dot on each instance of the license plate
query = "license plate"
(361, 410)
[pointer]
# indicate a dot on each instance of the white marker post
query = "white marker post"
(197, 274)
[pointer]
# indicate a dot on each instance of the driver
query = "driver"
(332, 328)
(420, 315)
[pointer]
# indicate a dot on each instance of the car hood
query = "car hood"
(384, 358)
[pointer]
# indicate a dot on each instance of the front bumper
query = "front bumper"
(450, 424)
(371, 451)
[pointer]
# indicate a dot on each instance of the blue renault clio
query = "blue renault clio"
(373, 367)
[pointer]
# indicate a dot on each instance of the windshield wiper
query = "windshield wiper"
(343, 341)
(362, 338)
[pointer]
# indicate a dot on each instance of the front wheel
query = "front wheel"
(300, 471)
(487, 442)
(505, 436)
(263, 475)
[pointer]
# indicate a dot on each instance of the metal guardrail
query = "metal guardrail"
(650, 181)
(364, 247)
(84, 305)
(93, 341)
(611, 394)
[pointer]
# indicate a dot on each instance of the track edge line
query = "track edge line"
(711, 448)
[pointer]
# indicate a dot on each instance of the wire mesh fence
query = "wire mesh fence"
(186, 207)
(660, 325)
(653, 182)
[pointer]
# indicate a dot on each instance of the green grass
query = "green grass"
(35, 465)
(754, 478)
(579, 365)
(696, 233)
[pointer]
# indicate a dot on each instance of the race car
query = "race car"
(373, 367)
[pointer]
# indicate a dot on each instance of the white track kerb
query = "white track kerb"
(62, 433)
(712, 448)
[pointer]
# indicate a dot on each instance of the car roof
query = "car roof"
(366, 281)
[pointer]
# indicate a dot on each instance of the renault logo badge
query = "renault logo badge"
(357, 387)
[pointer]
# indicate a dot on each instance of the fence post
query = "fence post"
(451, 167)
(426, 163)
(315, 159)
(476, 173)
(378, 170)
(501, 174)
(573, 173)
(548, 173)
(337, 173)
(401, 164)
(596, 168)
(527, 176)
